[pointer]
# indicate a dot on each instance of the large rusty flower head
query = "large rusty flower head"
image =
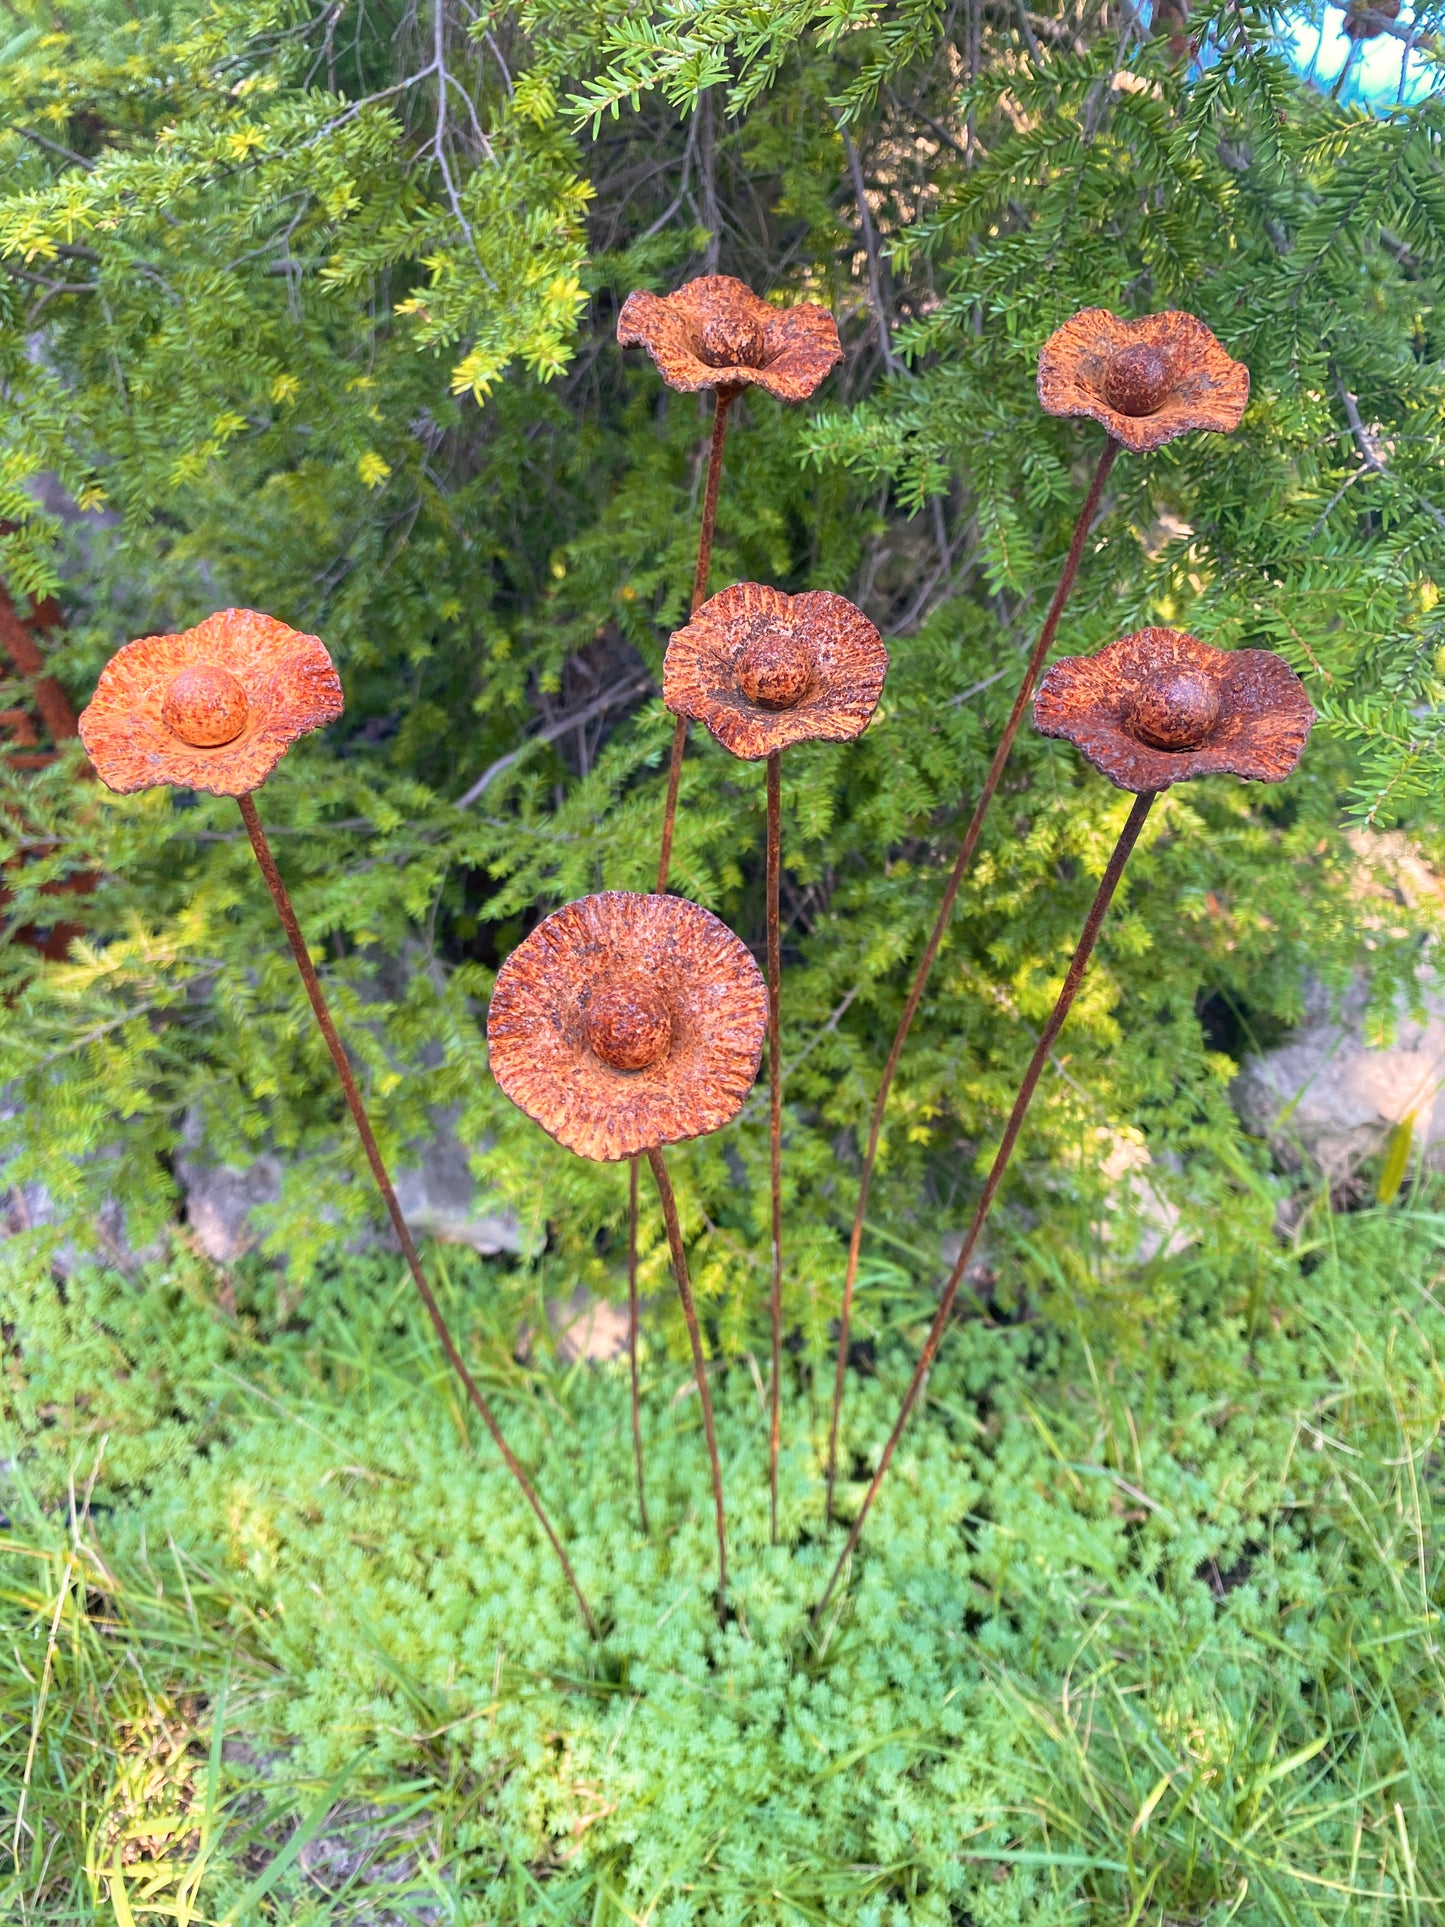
(212, 709)
(1146, 381)
(626, 1022)
(1160, 707)
(716, 333)
(762, 669)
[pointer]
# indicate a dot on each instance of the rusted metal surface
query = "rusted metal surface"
(716, 333)
(212, 709)
(632, 1324)
(699, 1361)
(625, 1021)
(1108, 883)
(774, 868)
(724, 401)
(762, 670)
(1145, 381)
(940, 924)
(1160, 707)
(282, 900)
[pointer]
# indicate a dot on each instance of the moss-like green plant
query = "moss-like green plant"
(1147, 1619)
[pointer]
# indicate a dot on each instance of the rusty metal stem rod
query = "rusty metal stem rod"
(354, 1104)
(1108, 883)
(689, 1312)
(940, 924)
(775, 1111)
(632, 1336)
(722, 402)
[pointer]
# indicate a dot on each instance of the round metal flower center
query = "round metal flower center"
(1178, 712)
(628, 1026)
(1137, 380)
(205, 707)
(731, 341)
(773, 671)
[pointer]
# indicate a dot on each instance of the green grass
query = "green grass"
(1145, 1628)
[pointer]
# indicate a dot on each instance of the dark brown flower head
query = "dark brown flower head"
(762, 669)
(716, 333)
(1146, 381)
(213, 709)
(1161, 707)
(626, 1022)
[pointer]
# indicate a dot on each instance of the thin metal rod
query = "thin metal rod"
(699, 1363)
(1108, 883)
(775, 1109)
(632, 1334)
(362, 1122)
(722, 402)
(940, 924)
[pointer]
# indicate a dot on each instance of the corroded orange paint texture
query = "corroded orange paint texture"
(716, 333)
(1146, 381)
(212, 709)
(1160, 707)
(626, 1022)
(763, 670)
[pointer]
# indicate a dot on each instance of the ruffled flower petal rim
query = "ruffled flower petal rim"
(716, 333)
(1160, 707)
(626, 1022)
(763, 670)
(212, 709)
(1145, 381)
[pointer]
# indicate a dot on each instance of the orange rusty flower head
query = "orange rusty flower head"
(763, 669)
(1161, 707)
(626, 1022)
(212, 709)
(716, 333)
(1146, 381)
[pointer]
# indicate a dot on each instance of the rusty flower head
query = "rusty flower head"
(1161, 707)
(213, 709)
(626, 1022)
(716, 333)
(762, 669)
(1146, 381)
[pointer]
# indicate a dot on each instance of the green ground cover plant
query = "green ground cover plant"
(1147, 1626)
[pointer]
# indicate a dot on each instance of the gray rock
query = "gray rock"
(588, 1328)
(224, 1203)
(220, 1200)
(438, 1199)
(1327, 1099)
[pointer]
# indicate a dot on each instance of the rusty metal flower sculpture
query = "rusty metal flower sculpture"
(763, 670)
(1169, 687)
(215, 709)
(1145, 381)
(623, 1023)
(1161, 707)
(716, 333)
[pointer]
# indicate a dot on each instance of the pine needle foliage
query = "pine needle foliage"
(313, 310)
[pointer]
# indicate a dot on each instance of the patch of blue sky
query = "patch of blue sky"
(1379, 72)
